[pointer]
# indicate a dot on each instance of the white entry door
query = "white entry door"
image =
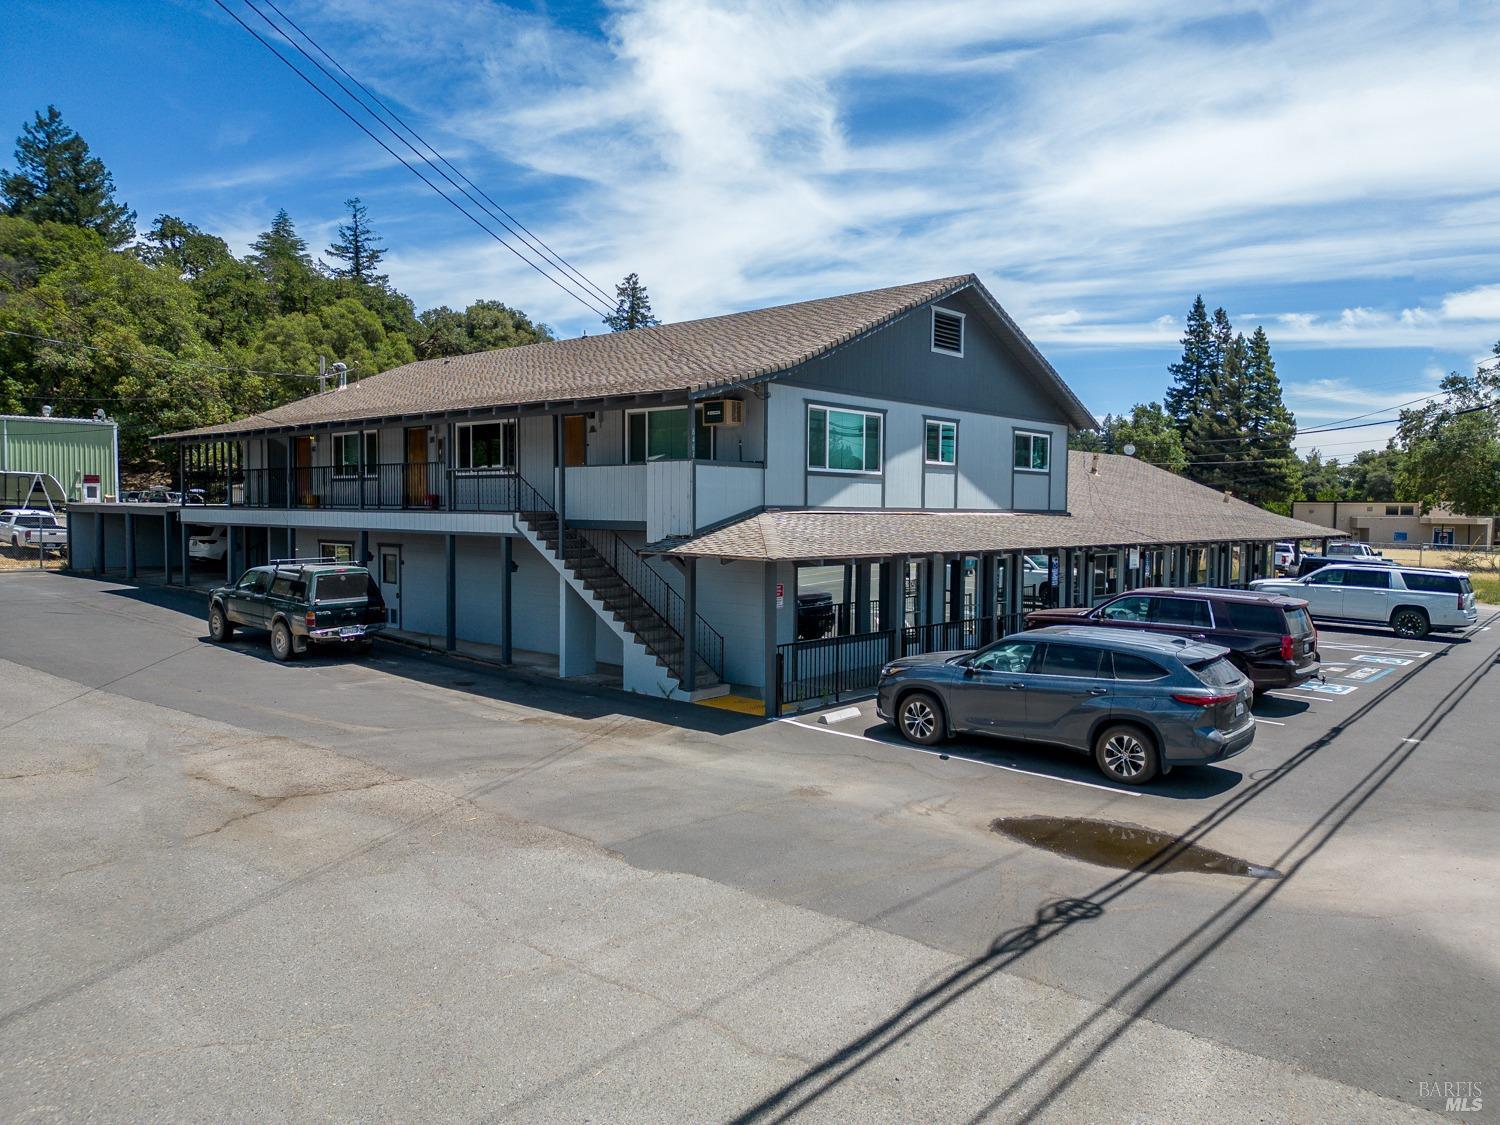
(388, 574)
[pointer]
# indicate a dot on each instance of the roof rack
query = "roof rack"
(306, 559)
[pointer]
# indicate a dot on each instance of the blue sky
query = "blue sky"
(1326, 170)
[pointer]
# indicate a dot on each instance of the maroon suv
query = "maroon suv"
(1270, 637)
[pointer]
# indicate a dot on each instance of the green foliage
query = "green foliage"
(357, 248)
(57, 180)
(280, 254)
(632, 306)
(482, 326)
(1147, 430)
(345, 330)
(1225, 402)
(176, 331)
(1192, 373)
(1452, 445)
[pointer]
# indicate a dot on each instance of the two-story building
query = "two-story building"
(649, 500)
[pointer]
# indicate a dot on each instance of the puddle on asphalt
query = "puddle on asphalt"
(1125, 846)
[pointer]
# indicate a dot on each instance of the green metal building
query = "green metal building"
(81, 454)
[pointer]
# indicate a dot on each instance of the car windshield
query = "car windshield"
(1217, 672)
(343, 586)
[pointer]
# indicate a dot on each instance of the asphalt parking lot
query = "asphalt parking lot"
(418, 887)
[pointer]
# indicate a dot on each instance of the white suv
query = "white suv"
(1412, 601)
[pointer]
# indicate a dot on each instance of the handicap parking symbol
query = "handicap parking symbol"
(1368, 675)
(1329, 689)
(1376, 658)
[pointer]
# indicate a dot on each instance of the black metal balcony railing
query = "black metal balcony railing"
(408, 485)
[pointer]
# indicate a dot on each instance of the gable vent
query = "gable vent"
(947, 332)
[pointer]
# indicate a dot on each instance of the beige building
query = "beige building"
(1392, 523)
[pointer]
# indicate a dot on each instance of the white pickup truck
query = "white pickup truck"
(1411, 600)
(26, 529)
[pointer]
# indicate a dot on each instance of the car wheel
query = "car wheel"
(920, 719)
(1126, 754)
(220, 628)
(282, 646)
(1411, 623)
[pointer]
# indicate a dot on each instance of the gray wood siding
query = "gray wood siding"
(898, 364)
(982, 478)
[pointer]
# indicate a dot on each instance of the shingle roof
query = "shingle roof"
(1126, 502)
(689, 356)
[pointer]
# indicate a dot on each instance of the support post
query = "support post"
(362, 547)
(182, 551)
(166, 546)
(230, 543)
(846, 626)
(771, 693)
(506, 565)
(98, 542)
(862, 596)
(130, 546)
(956, 588)
(560, 487)
(984, 597)
(450, 577)
(689, 629)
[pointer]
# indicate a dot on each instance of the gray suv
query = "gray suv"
(1140, 703)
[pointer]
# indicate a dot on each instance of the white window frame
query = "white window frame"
(713, 433)
(926, 460)
(361, 466)
(963, 332)
(827, 410)
(463, 431)
(1033, 434)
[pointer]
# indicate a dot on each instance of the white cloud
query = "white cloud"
(1480, 303)
(1094, 160)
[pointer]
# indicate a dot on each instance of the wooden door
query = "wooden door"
(575, 439)
(301, 470)
(416, 467)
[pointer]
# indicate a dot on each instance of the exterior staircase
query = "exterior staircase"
(623, 587)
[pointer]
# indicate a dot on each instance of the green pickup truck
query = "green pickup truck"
(301, 602)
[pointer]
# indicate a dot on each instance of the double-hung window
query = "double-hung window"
(666, 435)
(942, 442)
(488, 447)
(843, 441)
(1033, 452)
(346, 453)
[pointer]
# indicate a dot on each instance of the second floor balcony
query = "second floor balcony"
(665, 497)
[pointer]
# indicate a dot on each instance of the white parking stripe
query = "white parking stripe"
(1269, 722)
(961, 758)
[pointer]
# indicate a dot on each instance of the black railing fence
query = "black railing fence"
(832, 668)
(659, 594)
(403, 485)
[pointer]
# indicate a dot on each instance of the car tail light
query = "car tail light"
(1288, 647)
(1205, 699)
(312, 619)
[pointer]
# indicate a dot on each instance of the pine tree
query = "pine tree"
(632, 306)
(1269, 425)
(357, 248)
(280, 254)
(57, 180)
(1192, 374)
(1215, 443)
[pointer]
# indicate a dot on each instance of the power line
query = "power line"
(459, 207)
(522, 231)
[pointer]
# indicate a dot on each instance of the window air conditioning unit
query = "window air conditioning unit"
(723, 412)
